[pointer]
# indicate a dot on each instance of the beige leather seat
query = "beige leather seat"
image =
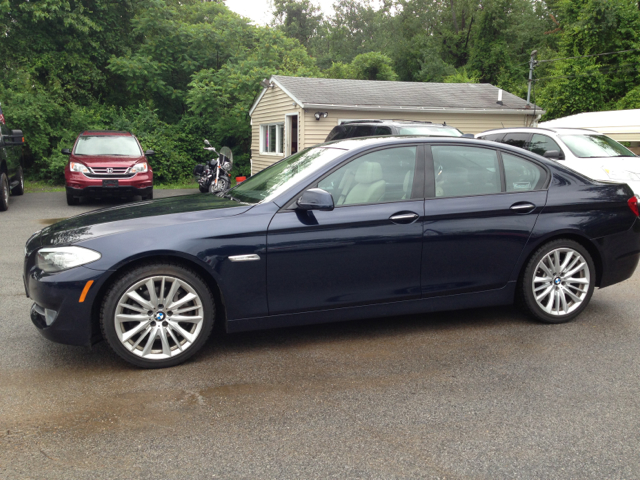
(407, 185)
(369, 187)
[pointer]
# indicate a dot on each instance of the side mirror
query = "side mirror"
(554, 154)
(206, 142)
(315, 199)
(65, 151)
(148, 153)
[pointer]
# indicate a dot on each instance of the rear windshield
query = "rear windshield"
(424, 130)
(592, 146)
(107, 145)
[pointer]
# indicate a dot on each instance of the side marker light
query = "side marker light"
(85, 290)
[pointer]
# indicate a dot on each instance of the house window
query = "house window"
(272, 138)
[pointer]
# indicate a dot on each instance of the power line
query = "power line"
(631, 66)
(588, 56)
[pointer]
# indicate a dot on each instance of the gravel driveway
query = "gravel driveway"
(480, 393)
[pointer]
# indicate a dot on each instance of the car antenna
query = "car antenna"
(444, 124)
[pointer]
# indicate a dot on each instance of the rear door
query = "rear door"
(482, 209)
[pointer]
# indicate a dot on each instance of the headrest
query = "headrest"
(368, 172)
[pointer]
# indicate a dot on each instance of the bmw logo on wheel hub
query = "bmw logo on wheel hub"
(159, 316)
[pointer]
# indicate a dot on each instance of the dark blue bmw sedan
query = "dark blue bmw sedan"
(359, 228)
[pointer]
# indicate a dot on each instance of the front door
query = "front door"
(365, 251)
(480, 218)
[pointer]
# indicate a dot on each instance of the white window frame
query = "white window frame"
(279, 138)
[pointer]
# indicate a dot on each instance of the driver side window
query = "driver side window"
(378, 177)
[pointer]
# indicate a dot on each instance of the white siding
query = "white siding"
(271, 109)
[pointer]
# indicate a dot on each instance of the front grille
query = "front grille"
(106, 175)
(109, 170)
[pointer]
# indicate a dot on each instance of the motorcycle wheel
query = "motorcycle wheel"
(223, 185)
(203, 189)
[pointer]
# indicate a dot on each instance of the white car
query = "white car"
(585, 151)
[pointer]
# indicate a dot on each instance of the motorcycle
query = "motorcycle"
(215, 175)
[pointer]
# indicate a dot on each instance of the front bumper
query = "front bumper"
(80, 185)
(58, 312)
(103, 192)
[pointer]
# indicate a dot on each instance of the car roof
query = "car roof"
(98, 133)
(393, 122)
(558, 130)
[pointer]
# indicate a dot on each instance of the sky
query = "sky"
(260, 10)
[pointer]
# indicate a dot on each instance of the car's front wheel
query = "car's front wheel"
(19, 188)
(71, 200)
(558, 281)
(4, 192)
(157, 315)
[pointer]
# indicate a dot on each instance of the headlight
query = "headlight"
(78, 167)
(140, 168)
(56, 259)
(621, 175)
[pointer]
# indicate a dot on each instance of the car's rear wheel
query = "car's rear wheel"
(19, 189)
(4, 192)
(71, 200)
(558, 281)
(157, 315)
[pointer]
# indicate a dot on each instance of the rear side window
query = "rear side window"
(382, 131)
(461, 171)
(522, 175)
(516, 139)
(338, 133)
(541, 144)
(494, 137)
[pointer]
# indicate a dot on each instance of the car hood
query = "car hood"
(106, 160)
(137, 216)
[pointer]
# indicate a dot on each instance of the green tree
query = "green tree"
(299, 19)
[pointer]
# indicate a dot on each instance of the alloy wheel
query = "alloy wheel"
(159, 317)
(561, 281)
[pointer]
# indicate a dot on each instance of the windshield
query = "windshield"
(272, 181)
(590, 146)
(420, 130)
(107, 145)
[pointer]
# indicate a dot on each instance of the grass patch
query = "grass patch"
(37, 186)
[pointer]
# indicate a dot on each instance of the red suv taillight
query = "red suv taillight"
(633, 205)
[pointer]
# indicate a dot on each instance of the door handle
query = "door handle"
(522, 207)
(404, 217)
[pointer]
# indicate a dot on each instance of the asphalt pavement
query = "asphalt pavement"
(481, 394)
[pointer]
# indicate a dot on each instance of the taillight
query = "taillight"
(633, 205)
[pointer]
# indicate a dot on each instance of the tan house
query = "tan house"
(292, 113)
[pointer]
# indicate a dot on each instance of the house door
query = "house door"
(291, 134)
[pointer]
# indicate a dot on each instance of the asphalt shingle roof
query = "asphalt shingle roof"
(374, 93)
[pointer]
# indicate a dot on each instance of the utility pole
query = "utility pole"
(532, 63)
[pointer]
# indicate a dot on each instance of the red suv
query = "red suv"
(107, 164)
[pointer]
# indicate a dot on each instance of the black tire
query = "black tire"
(71, 200)
(4, 192)
(563, 296)
(148, 197)
(19, 189)
(203, 189)
(222, 186)
(178, 348)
